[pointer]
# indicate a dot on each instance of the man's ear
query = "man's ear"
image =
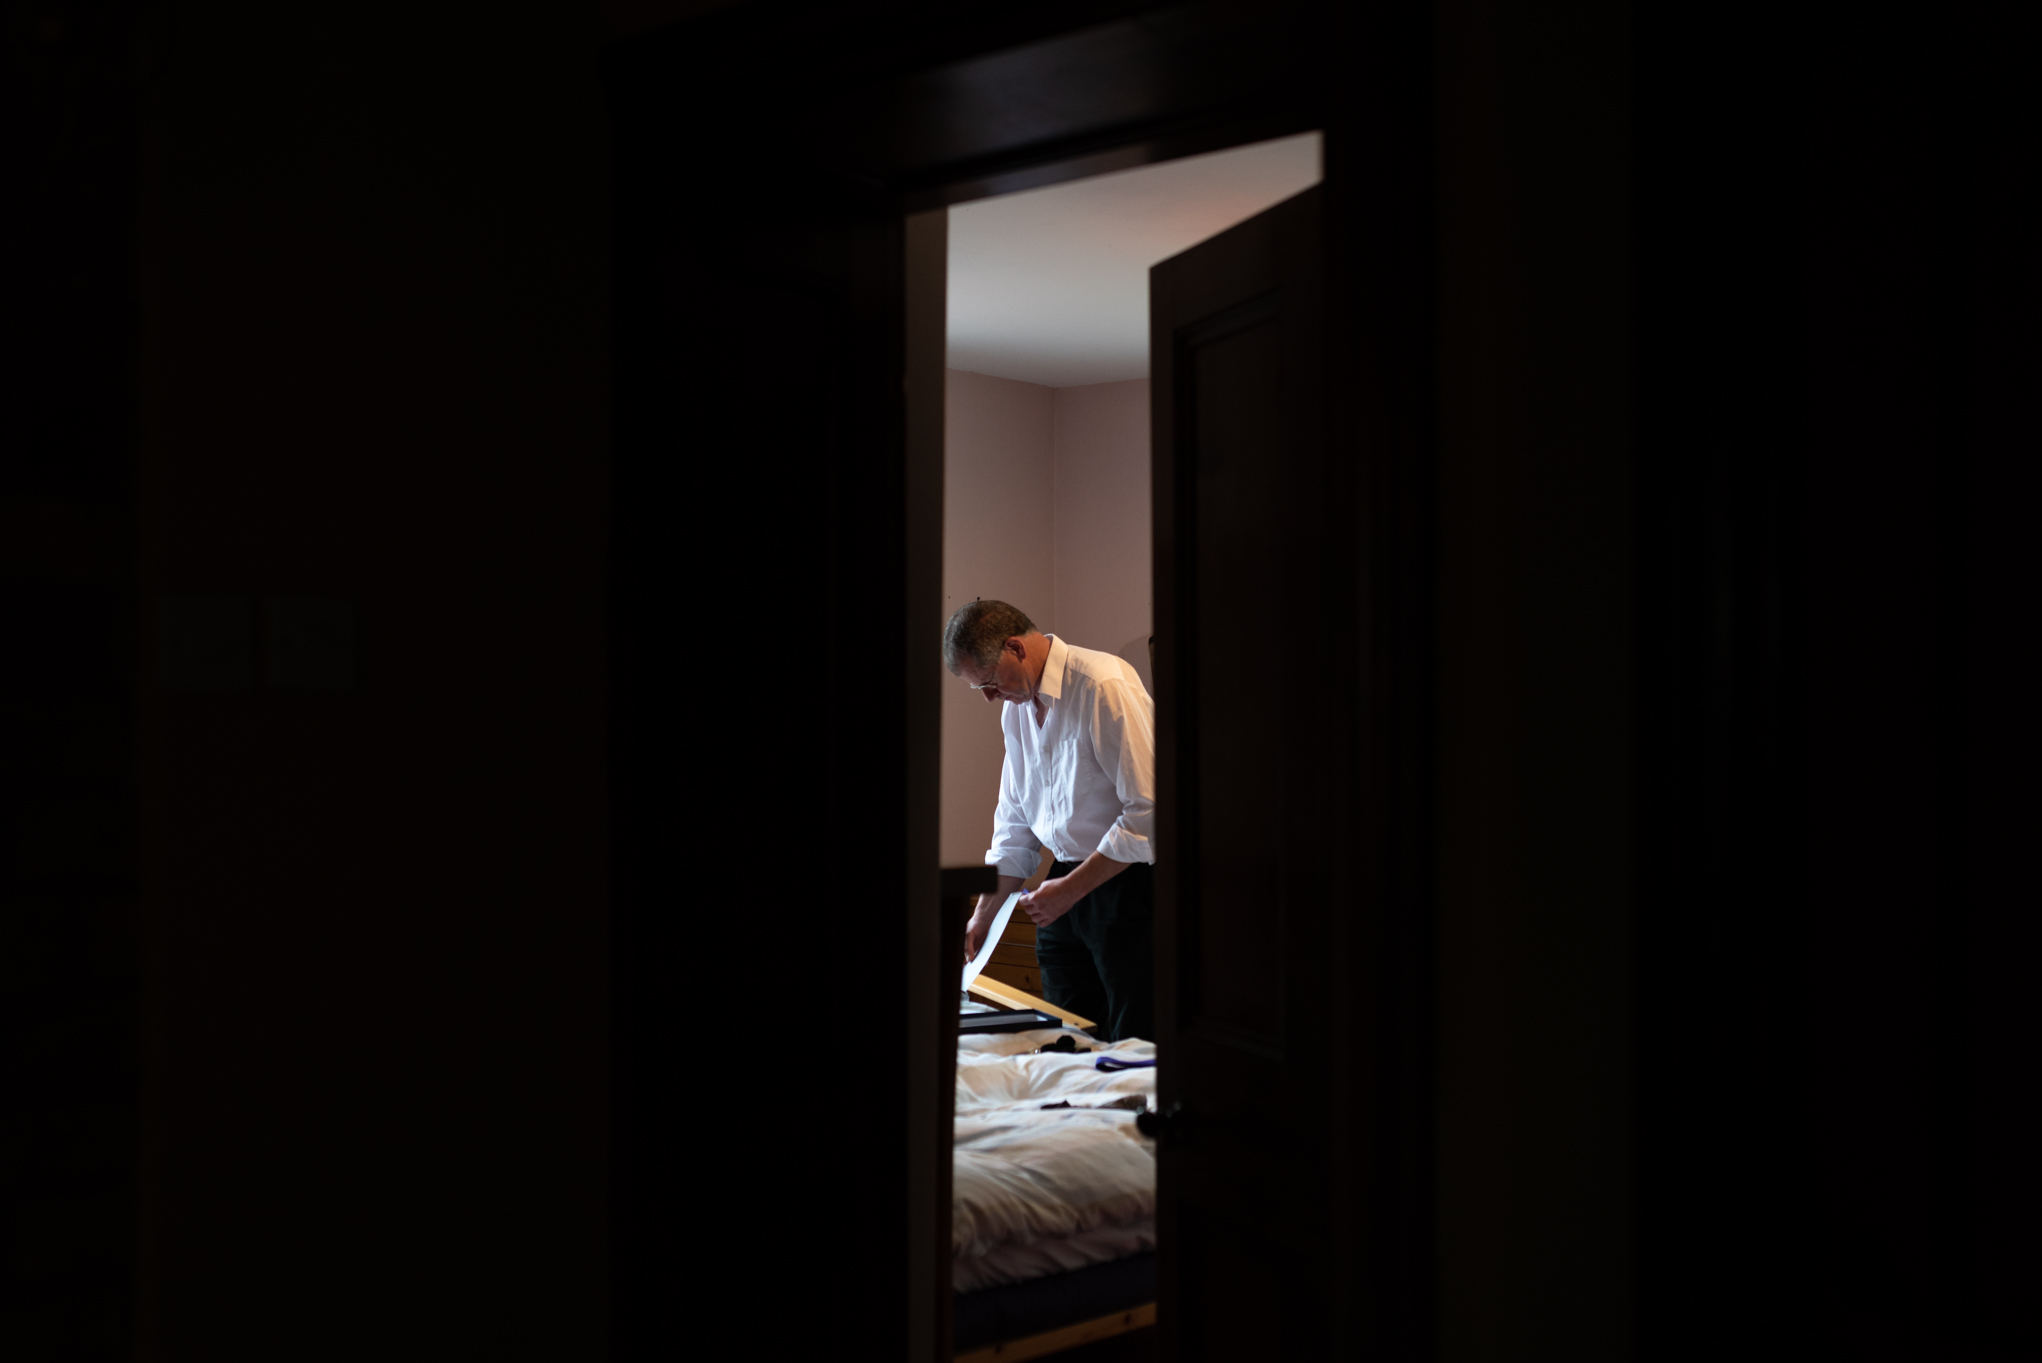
(1016, 647)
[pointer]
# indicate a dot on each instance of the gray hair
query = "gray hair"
(978, 630)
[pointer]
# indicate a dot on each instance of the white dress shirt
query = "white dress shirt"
(1084, 778)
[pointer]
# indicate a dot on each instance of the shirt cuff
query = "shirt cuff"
(1020, 864)
(1121, 845)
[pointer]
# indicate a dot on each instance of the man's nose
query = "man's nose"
(992, 695)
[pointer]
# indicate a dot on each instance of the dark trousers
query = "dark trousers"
(1098, 961)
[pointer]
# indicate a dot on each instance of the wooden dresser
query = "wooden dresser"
(1014, 958)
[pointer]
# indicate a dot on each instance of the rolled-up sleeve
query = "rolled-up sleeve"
(1124, 742)
(1016, 851)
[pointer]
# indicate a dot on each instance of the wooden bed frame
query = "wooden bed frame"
(1007, 996)
(1064, 1336)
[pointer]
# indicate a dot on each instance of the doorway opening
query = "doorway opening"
(1049, 506)
(1046, 414)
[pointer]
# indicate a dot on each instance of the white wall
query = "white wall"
(1045, 506)
(1102, 519)
(998, 538)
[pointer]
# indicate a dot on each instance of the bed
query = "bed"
(1053, 1188)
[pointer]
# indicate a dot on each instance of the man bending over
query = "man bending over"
(1080, 779)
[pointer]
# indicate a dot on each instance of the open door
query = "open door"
(1237, 342)
(1292, 965)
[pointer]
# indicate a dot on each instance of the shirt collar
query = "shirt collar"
(1051, 687)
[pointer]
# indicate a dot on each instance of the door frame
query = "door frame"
(919, 109)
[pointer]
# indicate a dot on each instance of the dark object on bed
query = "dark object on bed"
(1063, 1045)
(1005, 1020)
(992, 1314)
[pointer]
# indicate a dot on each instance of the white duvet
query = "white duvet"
(1039, 1189)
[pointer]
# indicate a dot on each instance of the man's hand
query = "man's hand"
(1057, 897)
(975, 931)
(983, 914)
(1053, 899)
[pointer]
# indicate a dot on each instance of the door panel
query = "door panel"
(1231, 368)
(1238, 1306)
(1243, 785)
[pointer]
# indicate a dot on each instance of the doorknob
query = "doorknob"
(1170, 1125)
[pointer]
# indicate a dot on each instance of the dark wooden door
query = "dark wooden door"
(1245, 555)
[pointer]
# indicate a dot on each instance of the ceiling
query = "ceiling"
(1051, 285)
